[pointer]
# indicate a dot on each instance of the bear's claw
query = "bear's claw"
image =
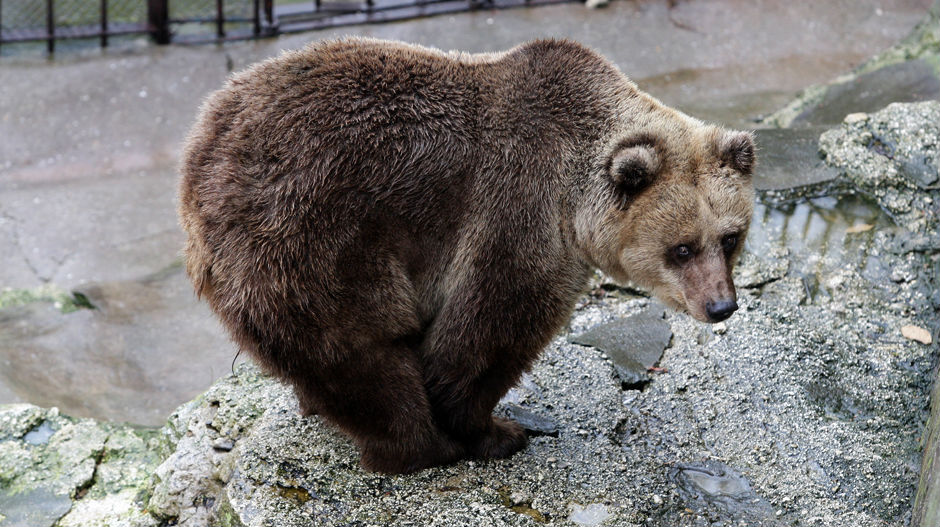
(504, 439)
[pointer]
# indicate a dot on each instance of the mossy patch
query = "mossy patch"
(65, 301)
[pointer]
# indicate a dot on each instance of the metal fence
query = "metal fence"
(192, 21)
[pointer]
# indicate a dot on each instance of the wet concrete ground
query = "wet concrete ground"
(89, 144)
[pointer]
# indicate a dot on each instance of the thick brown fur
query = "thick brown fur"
(397, 232)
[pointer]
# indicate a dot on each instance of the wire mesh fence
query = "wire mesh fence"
(52, 20)
(191, 21)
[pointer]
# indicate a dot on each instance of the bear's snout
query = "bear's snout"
(720, 310)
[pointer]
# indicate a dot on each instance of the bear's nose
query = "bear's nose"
(720, 310)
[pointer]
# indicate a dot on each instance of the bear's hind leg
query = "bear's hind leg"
(480, 343)
(464, 407)
(377, 397)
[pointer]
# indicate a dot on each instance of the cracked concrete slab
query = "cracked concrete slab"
(147, 344)
(108, 229)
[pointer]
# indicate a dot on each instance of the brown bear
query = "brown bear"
(397, 231)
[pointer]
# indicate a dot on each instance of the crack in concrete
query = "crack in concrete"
(19, 246)
(82, 489)
(142, 238)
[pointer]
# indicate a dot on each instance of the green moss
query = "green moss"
(64, 301)
(226, 515)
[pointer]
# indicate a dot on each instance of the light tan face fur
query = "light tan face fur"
(680, 232)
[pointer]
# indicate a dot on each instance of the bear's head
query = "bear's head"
(671, 214)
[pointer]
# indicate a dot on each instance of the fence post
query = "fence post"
(50, 27)
(220, 19)
(104, 23)
(158, 20)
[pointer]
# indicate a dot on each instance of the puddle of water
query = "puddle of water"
(721, 485)
(39, 435)
(823, 235)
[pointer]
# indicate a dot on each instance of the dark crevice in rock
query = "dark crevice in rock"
(82, 490)
(762, 283)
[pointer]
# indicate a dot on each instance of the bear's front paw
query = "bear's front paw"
(504, 439)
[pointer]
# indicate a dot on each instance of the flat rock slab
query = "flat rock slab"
(38, 507)
(790, 158)
(718, 484)
(148, 345)
(634, 344)
(911, 81)
(535, 424)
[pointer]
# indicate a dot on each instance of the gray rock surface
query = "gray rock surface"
(116, 362)
(889, 155)
(789, 158)
(66, 472)
(633, 344)
(927, 502)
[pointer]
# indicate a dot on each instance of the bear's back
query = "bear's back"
(392, 121)
(342, 143)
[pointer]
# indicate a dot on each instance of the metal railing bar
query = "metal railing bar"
(220, 18)
(210, 20)
(402, 11)
(104, 23)
(50, 27)
(269, 11)
(407, 4)
(157, 21)
(73, 32)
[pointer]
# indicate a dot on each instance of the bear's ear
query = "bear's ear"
(633, 166)
(736, 150)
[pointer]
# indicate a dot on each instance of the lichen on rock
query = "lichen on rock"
(58, 470)
(893, 156)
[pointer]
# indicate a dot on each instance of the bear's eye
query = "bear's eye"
(729, 242)
(682, 252)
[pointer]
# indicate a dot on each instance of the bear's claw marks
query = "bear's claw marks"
(503, 439)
